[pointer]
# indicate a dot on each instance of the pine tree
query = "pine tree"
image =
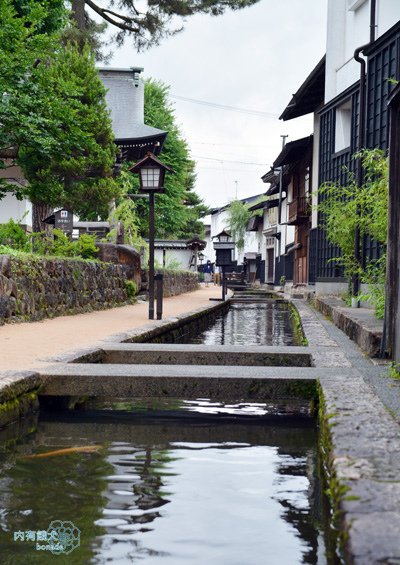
(152, 21)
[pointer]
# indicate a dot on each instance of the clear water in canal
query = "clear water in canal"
(222, 489)
(249, 324)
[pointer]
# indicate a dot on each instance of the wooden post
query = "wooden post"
(159, 293)
(151, 256)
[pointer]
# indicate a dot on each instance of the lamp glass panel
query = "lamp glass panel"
(150, 177)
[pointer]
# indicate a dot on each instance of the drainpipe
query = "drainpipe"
(362, 136)
(359, 170)
(373, 25)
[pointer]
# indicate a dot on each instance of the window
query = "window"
(343, 126)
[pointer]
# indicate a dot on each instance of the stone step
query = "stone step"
(153, 354)
(255, 300)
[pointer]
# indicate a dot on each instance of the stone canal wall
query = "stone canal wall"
(36, 288)
(175, 282)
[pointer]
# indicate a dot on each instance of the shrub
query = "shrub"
(59, 244)
(85, 246)
(12, 235)
(131, 288)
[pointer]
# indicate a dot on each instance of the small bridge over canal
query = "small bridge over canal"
(225, 372)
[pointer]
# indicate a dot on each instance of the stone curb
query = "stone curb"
(364, 470)
(359, 324)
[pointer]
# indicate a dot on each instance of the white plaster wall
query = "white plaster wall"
(287, 232)
(181, 255)
(208, 250)
(10, 207)
(251, 245)
(261, 243)
(348, 29)
(388, 13)
(219, 222)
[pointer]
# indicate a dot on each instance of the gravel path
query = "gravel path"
(27, 345)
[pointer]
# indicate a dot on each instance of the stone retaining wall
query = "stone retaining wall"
(175, 282)
(36, 288)
(357, 323)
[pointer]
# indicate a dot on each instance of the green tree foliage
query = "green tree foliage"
(53, 114)
(177, 208)
(149, 21)
(54, 14)
(238, 219)
(14, 236)
(78, 174)
(344, 208)
(125, 212)
(195, 207)
(21, 47)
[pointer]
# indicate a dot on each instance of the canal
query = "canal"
(169, 482)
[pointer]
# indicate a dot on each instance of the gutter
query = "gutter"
(362, 136)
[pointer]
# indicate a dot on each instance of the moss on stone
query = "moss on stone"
(335, 489)
(16, 407)
(297, 325)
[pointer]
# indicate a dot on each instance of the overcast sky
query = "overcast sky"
(252, 59)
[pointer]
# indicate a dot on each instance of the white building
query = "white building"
(219, 222)
(357, 30)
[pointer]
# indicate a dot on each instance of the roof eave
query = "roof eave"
(300, 104)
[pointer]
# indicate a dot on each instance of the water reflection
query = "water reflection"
(165, 493)
(248, 324)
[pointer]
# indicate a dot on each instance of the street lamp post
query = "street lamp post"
(223, 247)
(151, 178)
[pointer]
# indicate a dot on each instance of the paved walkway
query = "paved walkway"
(27, 345)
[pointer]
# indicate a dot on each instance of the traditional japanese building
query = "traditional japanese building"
(344, 121)
(125, 99)
(296, 157)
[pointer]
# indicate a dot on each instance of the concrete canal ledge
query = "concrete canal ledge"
(360, 440)
(358, 323)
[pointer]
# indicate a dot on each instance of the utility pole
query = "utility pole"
(281, 181)
(278, 241)
(236, 192)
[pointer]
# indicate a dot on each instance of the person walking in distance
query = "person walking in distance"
(208, 270)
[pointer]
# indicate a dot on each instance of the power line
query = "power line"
(225, 107)
(246, 171)
(231, 161)
(225, 144)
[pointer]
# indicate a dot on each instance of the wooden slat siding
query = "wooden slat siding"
(382, 66)
(300, 272)
(299, 210)
(312, 268)
(330, 169)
